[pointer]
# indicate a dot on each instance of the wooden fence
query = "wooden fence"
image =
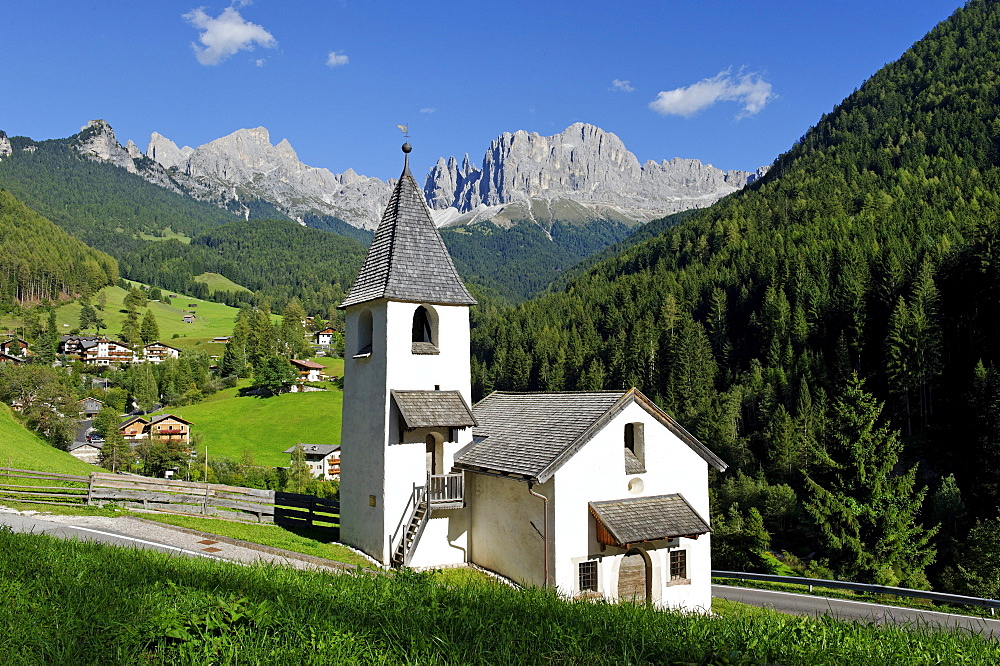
(172, 496)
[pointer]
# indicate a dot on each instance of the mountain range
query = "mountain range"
(582, 174)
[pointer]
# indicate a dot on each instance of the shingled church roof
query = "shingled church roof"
(407, 260)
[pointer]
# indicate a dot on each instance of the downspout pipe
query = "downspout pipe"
(545, 528)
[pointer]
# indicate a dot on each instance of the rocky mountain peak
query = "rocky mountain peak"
(583, 164)
(163, 150)
(5, 147)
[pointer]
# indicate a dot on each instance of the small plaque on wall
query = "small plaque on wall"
(371, 500)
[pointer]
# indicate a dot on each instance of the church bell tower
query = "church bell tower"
(407, 391)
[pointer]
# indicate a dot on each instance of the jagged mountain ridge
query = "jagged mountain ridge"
(583, 174)
(581, 167)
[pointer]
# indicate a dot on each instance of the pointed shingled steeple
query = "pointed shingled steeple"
(408, 260)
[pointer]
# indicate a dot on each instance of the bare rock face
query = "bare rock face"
(97, 141)
(5, 148)
(245, 165)
(583, 164)
(579, 175)
(163, 150)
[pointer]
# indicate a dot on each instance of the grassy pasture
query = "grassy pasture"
(218, 282)
(211, 319)
(150, 607)
(266, 426)
(23, 449)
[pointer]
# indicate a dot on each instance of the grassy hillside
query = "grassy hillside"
(25, 450)
(211, 319)
(231, 424)
(216, 282)
(157, 609)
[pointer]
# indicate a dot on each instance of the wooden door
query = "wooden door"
(632, 577)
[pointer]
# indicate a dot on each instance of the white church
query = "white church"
(600, 494)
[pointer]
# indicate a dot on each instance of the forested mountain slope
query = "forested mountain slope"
(99, 203)
(869, 247)
(276, 259)
(39, 261)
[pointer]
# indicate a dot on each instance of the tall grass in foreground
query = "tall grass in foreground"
(70, 602)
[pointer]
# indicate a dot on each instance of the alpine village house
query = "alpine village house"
(600, 494)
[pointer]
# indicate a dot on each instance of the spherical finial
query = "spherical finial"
(407, 147)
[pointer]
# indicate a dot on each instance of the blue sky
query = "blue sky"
(732, 84)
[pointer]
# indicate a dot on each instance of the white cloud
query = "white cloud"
(427, 109)
(336, 59)
(749, 90)
(260, 62)
(226, 35)
(623, 86)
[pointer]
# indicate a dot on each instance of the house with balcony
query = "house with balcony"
(324, 338)
(323, 459)
(96, 350)
(597, 494)
(157, 352)
(169, 428)
(134, 429)
(15, 347)
(308, 371)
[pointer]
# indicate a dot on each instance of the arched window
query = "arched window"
(635, 449)
(422, 326)
(364, 334)
(424, 338)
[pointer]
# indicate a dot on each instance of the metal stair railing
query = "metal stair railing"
(417, 497)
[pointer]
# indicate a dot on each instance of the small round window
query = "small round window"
(635, 486)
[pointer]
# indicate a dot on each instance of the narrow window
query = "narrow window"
(424, 337)
(635, 449)
(365, 325)
(421, 326)
(588, 576)
(678, 565)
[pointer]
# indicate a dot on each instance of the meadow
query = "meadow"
(23, 449)
(231, 424)
(218, 282)
(76, 602)
(211, 320)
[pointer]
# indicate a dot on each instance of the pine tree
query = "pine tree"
(130, 328)
(292, 333)
(150, 330)
(299, 474)
(116, 453)
(87, 315)
(864, 510)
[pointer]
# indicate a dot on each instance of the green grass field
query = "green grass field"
(231, 424)
(211, 320)
(334, 366)
(218, 282)
(74, 602)
(23, 449)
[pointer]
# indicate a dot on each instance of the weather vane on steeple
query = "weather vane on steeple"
(405, 129)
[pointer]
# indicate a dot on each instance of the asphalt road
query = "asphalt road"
(19, 523)
(803, 604)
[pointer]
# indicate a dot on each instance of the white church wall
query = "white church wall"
(363, 435)
(450, 369)
(373, 460)
(597, 473)
(445, 540)
(502, 538)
